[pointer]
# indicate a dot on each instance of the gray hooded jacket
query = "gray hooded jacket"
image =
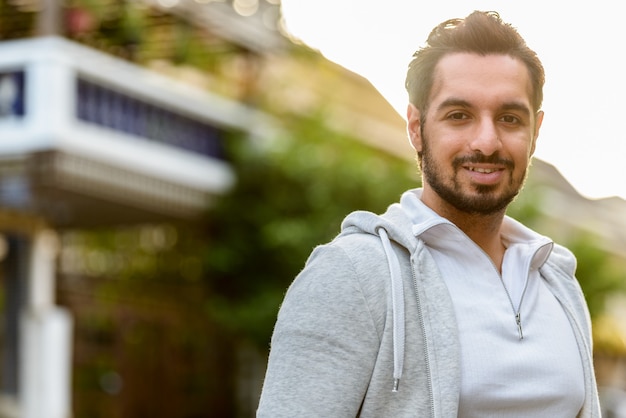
(368, 328)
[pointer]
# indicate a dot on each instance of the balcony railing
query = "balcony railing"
(120, 112)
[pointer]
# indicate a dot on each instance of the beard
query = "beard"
(481, 199)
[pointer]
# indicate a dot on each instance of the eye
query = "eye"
(457, 116)
(510, 119)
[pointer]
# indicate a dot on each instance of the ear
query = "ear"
(414, 127)
(538, 121)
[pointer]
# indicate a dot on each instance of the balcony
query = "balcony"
(88, 140)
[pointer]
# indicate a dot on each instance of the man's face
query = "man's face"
(478, 133)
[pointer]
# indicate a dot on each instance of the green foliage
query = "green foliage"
(599, 273)
(292, 194)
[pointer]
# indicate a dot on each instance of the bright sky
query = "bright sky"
(581, 45)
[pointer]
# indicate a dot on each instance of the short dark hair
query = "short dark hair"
(481, 33)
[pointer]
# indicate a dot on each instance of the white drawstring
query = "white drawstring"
(397, 306)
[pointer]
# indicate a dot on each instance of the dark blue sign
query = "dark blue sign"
(11, 94)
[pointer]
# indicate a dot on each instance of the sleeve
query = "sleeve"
(324, 344)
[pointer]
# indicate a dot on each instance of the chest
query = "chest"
(503, 375)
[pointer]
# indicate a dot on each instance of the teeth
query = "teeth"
(482, 170)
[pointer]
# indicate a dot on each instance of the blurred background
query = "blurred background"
(166, 167)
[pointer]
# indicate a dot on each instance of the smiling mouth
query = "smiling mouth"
(484, 170)
(479, 163)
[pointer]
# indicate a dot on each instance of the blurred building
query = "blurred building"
(111, 112)
(116, 112)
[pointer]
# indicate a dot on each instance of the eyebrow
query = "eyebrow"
(517, 106)
(453, 102)
(456, 102)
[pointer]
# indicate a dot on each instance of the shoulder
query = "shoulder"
(348, 275)
(349, 263)
(559, 273)
(562, 260)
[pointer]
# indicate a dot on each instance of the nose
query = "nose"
(486, 139)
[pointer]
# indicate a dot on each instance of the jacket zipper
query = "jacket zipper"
(420, 315)
(516, 312)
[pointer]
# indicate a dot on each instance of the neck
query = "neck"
(484, 230)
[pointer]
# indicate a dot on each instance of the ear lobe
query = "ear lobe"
(414, 127)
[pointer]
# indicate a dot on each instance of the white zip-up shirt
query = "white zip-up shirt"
(509, 368)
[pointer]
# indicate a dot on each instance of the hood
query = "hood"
(394, 221)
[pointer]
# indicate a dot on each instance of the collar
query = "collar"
(433, 229)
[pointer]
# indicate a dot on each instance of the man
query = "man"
(444, 306)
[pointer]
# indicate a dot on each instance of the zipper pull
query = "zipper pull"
(518, 320)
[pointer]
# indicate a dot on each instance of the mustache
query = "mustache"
(480, 158)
